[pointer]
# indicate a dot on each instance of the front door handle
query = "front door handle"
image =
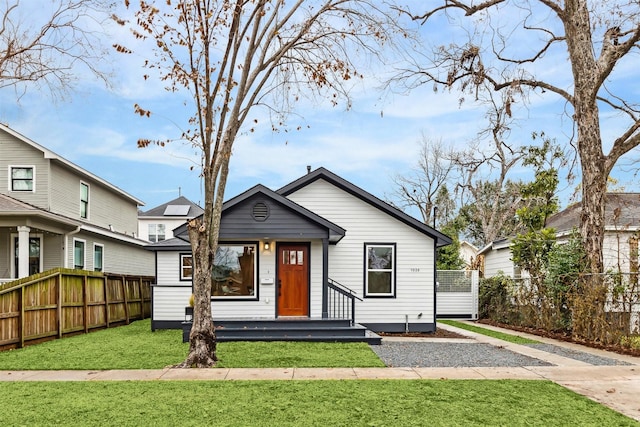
(279, 287)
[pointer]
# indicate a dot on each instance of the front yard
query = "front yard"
(266, 403)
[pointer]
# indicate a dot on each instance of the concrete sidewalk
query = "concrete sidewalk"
(617, 387)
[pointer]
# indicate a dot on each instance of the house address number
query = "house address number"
(415, 270)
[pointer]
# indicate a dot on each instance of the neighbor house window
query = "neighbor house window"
(84, 200)
(78, 254)
(234, 271)
(156, 232)
(186, 267)
(22, 178)
(380, 275)
(98, 257)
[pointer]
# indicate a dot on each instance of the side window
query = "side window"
(156, 232)
(186, 267)
(380, 274)
(78, 254)
(84, 200)
(22, 178)
(98, 257)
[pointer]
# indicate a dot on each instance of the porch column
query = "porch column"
(23, 251)
(325, 278)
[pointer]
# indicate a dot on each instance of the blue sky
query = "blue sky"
(96, 128)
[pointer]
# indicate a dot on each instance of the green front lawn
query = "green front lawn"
(516, 339)
(135, 347)
(301, 403)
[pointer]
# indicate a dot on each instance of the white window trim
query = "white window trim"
(393, 270)
(185, 278)
(88, 201)
(95, 245)
(73, 253)
(13, 271)
(10, 179)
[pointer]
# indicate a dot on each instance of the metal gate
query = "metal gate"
(457, 294)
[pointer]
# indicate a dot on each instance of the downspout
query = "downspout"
(66, 245)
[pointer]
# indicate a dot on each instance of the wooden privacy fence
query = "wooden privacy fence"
(59, 302)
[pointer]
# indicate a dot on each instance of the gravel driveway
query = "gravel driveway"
(471, 354)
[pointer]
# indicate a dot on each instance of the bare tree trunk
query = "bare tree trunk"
(587, 118)
(202, 339)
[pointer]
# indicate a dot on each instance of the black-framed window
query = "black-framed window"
(234, 271)
(22, 178)
(84, 200)
(380, 269)
(186, 267)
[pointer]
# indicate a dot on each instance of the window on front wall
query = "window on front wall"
(157, 232)
(78, 254)
(22, 178)
(186, 267)
(84, 200)
(98, 257)
(234, 271)
(380, 275)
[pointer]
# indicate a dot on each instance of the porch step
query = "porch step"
(318, 330)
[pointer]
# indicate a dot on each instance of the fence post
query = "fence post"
(141, 298)
(105, 281)
(21, 332)
(126, 301)
(59, 308)
(85, 321)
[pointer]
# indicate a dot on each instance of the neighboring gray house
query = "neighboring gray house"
(622, 223)
(56, 214)
(157, 224)
(282, 252)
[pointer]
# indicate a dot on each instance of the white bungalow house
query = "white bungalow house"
(620, 248)
(309, 251)
(56, 214)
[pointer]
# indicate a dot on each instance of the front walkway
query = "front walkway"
(617, 387)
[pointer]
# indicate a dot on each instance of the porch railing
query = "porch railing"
(341, 302)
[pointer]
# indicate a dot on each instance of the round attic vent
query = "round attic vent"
(260, 211)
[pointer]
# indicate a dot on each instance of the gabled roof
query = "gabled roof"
(622, 211)
(322, 173)
(48, 154)
(335, 232)
(191, 210)
(172, 244)
(495, 245)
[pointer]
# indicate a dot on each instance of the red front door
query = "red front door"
(293, 279)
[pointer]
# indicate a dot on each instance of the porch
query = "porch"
(289, 329)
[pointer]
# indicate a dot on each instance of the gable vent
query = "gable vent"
(260, 211)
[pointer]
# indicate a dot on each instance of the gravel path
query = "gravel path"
(577, 355)
(435, 354)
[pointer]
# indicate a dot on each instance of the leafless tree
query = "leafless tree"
(512, 45)
(46, 43)
(419, 187)
(234, 57)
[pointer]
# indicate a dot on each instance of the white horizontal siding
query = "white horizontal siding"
(496, 261)
(169, 302)
(450, 303)
(365, 223)
(168, 280)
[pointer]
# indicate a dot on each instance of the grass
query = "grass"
(295, 403)
(516, 339)
(135, 347)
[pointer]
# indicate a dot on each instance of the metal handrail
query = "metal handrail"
(343, 302)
